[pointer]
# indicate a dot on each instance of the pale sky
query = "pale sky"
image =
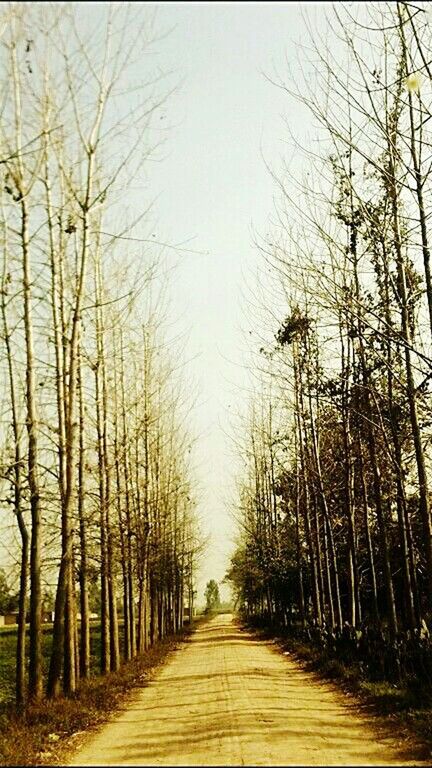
(213, 188)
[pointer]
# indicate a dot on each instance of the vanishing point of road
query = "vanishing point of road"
(226, 698)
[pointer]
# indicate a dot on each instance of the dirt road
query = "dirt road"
(226, 698)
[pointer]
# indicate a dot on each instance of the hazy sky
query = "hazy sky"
(213, 186)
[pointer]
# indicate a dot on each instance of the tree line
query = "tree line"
(335, 492)
(95, 450)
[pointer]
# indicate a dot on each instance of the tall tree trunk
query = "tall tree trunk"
(20, 687)
(83, 575)
(370, 552)
(312, 553)
(325, 510)
(35, 654)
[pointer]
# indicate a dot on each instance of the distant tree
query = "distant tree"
(48, 601)
(8, 601)
(95, 597)
(212, 595)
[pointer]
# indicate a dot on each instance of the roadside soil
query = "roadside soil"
(227, 698)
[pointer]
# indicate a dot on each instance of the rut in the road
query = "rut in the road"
(226, 698)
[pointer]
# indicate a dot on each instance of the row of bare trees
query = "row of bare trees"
(95, 449)
(335, 508)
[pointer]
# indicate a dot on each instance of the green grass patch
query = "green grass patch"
(8, 640)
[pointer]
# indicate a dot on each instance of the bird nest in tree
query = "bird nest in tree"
(294, 325)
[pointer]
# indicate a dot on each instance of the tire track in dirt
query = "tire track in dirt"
(226, 698)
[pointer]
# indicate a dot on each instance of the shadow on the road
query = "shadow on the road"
(224, 637)
(197, 731)
(200, 725)
(242, 699)
(253, 673)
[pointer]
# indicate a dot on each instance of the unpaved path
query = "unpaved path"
(225, 698)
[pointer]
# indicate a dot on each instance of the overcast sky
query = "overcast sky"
(213, 188)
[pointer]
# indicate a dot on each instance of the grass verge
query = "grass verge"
(406, 707)
(45, 733)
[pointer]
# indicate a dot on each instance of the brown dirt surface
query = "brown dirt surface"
(228, 698)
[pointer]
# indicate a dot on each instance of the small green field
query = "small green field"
(8, 640)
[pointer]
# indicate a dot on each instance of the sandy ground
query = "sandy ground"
(225, 698)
